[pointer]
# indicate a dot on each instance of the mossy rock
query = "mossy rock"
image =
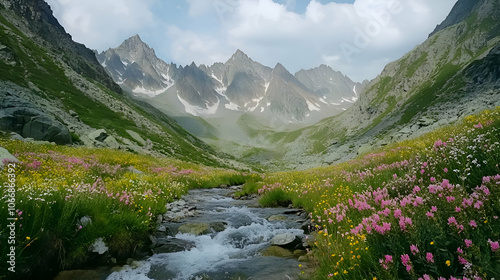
(277, 251)
(277, 218)
(195, 228)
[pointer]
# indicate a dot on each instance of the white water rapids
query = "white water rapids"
(234, 253)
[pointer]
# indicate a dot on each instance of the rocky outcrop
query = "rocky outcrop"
(5, 157)
(22, 117)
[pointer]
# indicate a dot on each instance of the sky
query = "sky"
(356, 37)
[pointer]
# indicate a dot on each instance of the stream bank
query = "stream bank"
(210, 235)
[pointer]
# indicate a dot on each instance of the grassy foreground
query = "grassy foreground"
(67, 197)
(422, 209)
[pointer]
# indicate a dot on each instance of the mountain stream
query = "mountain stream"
(236, 250)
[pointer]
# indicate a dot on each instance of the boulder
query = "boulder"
(172, 245)
(195, 228)
(23, 118)
(286, 240)
(218, 226)
(101, 138)
(136, 137)
(6, 156)
(277, 218)
(277, 251)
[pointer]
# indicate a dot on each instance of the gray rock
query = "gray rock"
(277, 218)
(172, 245)
(73, 113)
(137, 137)
(285, 240)
(277, 251)
(101, 138)
(195, 228)
(98, 135)
(15, 136)
(98, 246)
(218, 226)
(5, 155)
(22, 117)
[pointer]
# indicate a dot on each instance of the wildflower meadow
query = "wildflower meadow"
(426, 208)
(67, 197)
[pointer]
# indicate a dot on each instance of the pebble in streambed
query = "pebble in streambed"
(209, 235)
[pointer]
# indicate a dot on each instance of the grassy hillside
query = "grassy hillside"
(434, 82)
(43, 72)
(58, 189)
(426, 207)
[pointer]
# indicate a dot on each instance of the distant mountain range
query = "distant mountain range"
(54, 89)
(240, 85)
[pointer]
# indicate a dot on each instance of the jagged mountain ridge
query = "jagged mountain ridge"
(53, 89)
(240, 84)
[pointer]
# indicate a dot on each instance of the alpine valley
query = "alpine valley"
(269, 116)
(393, 178)
(236, 104)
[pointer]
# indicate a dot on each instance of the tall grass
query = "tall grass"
(420, 209)
(67, 197)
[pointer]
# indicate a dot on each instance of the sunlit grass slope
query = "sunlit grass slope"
(421, 209)
(60, 189)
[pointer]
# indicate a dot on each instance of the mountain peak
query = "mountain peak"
(134, 40)
(239, 55)
(461, 11)
(279, 68)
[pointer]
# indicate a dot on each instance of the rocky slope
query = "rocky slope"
(452, 74)
(53, 89)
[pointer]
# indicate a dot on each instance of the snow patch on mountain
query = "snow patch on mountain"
(144, 91)
(312, 107)
(198, 111)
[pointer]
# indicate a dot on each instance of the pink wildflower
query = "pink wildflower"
(478, 205)
(468, 243)
(462, 260)
(494, 245)
(397, 213)
(473, 223)
(405, 259)
(414, 249)
(429, 257)
(445, 170)
(388, 258)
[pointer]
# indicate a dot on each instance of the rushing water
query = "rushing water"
(234, 253)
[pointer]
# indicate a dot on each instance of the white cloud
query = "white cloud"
(360, 36)
(101, 24)
(357, 39)
(188, 46)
